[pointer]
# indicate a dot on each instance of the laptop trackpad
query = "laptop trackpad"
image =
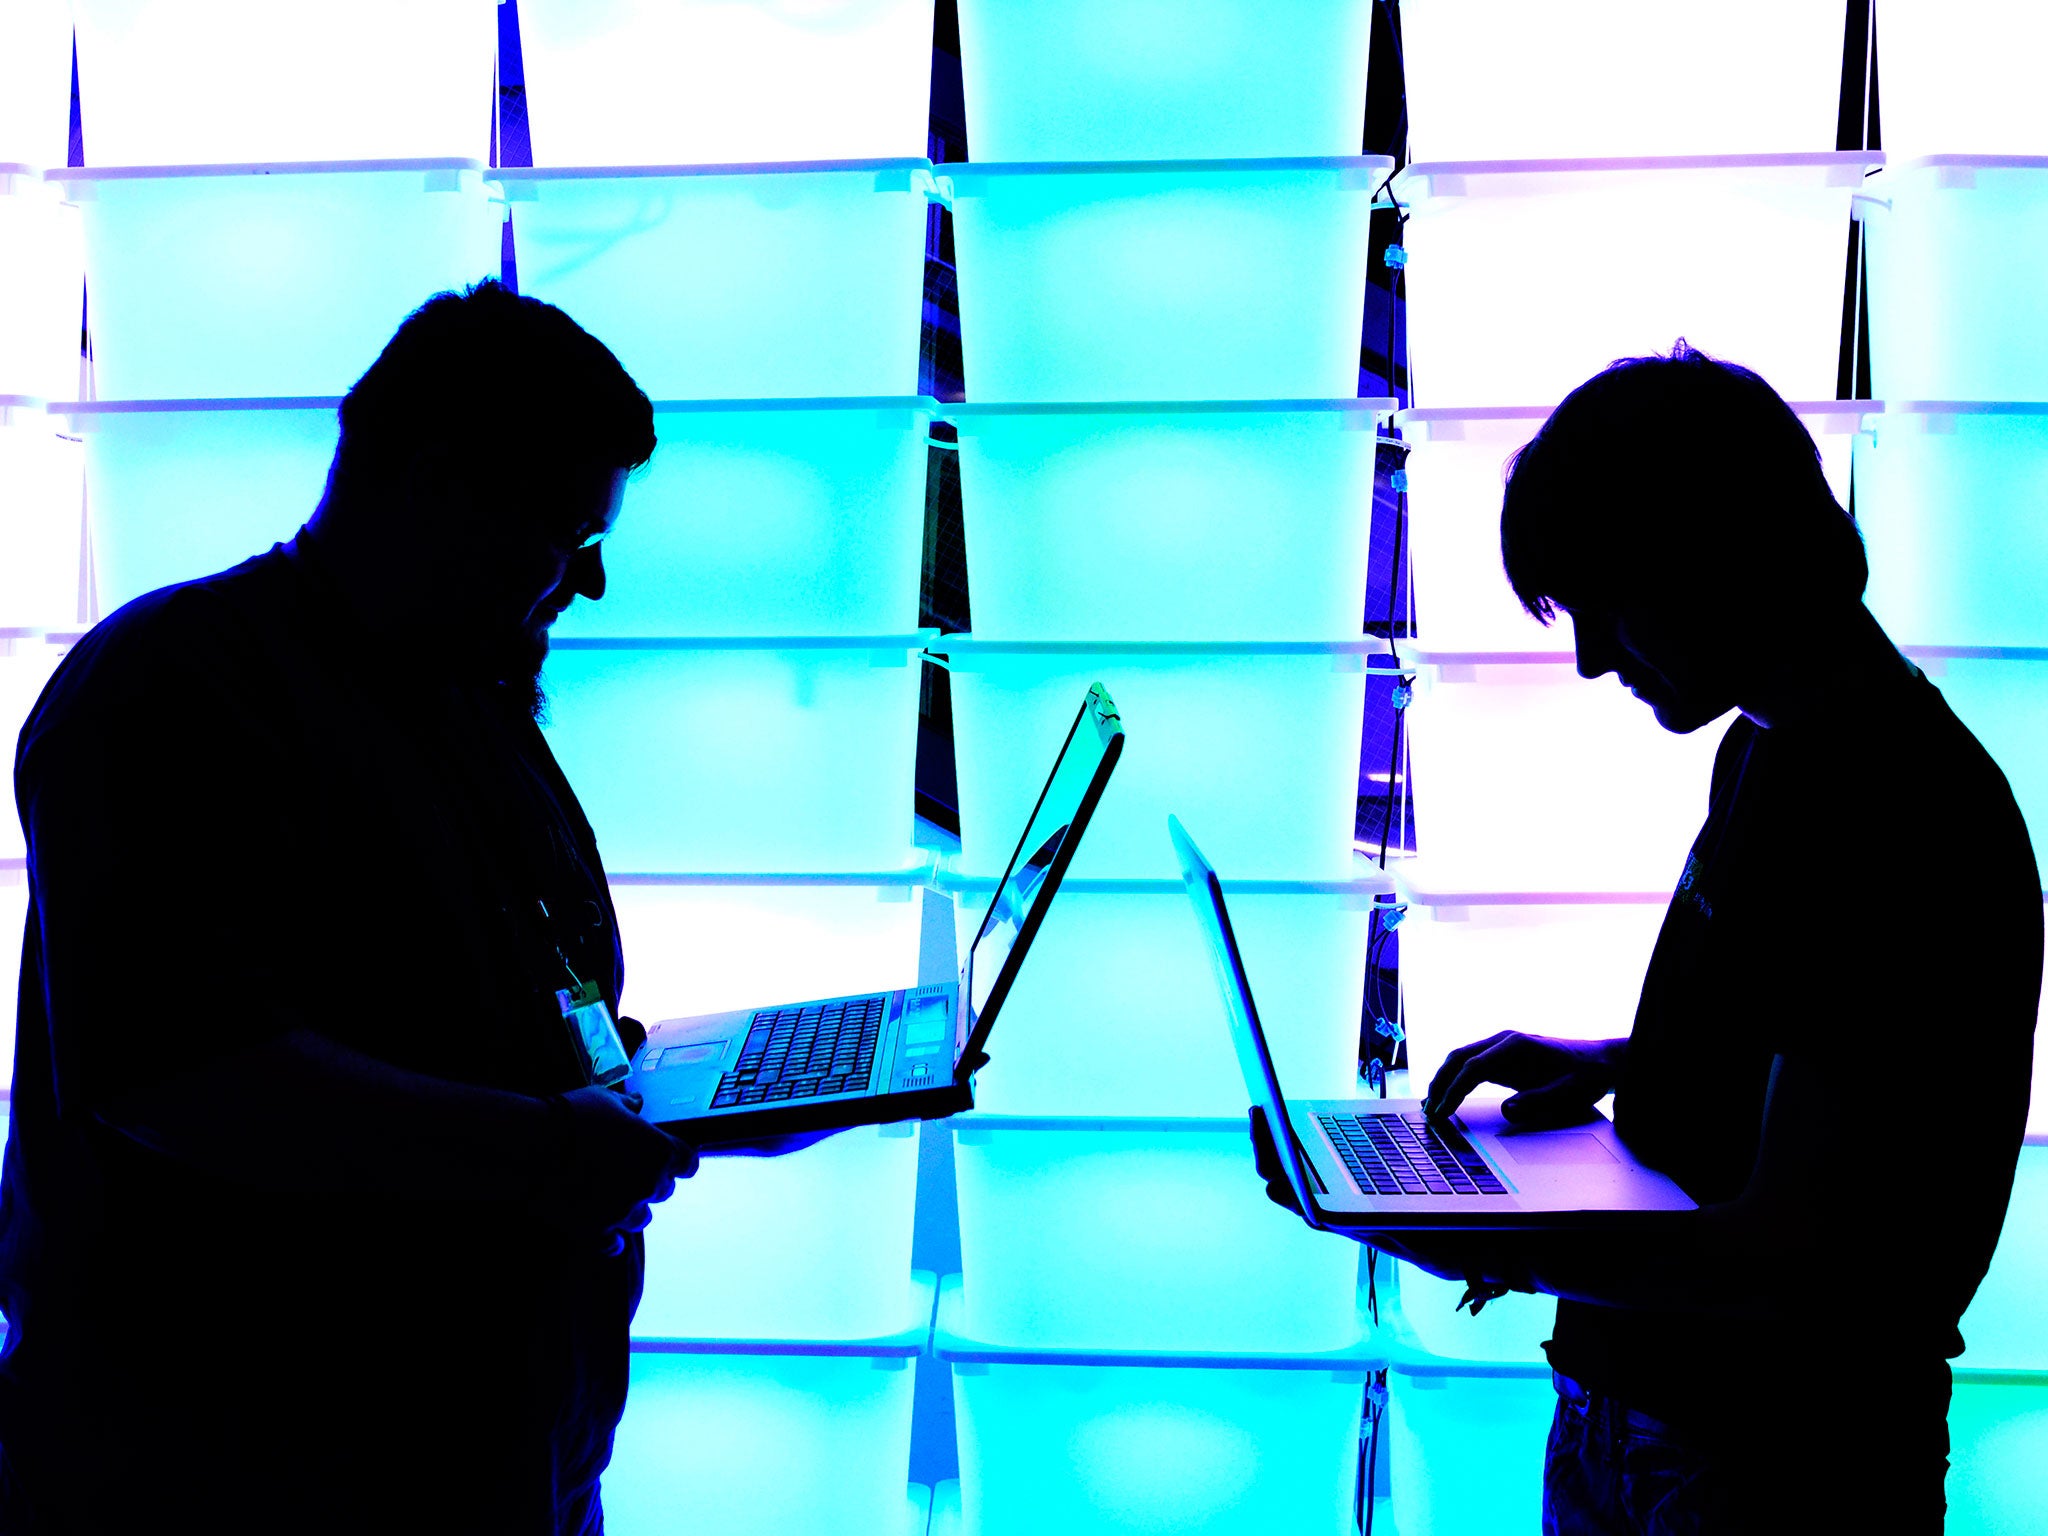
(1551, 1148)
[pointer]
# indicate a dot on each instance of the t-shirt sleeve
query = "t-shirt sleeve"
(156, 786)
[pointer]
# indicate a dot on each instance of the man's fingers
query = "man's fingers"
(1475, 1069)
(1454, 1065)
(1565, 1100)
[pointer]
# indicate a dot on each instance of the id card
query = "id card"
(589, 1019)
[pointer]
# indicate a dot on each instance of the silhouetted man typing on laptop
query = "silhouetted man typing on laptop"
(312, 1218)
(1833, 1045)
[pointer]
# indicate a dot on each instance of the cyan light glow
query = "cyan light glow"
(810, 1247)
(1163, 282)
(1524, 280)
(270, 283)
(770, 284)
(1960, 75)
(1251, 522)
(42, 484)
(1998, 1463)
(211, 82)
(1466, 1451)
(1100, 1234)
(1507, 80)
(2006, 1328)
(2004, 701)
(1957, 307)
(1423, 1313)
(1212, 737)
(1530, 778)
(657, 82)
(1950, 499)
(42, 288)
(1115, 1013)
(800, 518)
(163, 510)
(35, 82)
(741, 759)
(1163, 79)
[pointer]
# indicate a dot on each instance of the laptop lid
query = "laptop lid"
(1254, 1060)
(1018, 906)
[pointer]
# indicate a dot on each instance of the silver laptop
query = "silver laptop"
(1364, 1165)
(839, 1061)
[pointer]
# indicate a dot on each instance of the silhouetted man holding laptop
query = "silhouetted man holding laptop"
(1833, 1046)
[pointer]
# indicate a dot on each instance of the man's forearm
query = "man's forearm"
(300, 1113)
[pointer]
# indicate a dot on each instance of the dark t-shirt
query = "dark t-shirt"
(245, 817)
(1863, 898)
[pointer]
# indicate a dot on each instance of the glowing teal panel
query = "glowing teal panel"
(807, 518)
(1256, 751)
(1117, 1013)
(710, 285)
(741, 759)
(1248, 522)
(185, 491)
(1998, 1458)
(1423, 1313)
(1135, 80)
(1210, 281)
(282, 282)
(2005, 702)
(1154, 1235)
(1958, 294)
(2006, 1327)
(1466, 1452)
(1953, 503)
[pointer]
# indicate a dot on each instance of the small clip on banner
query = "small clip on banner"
(589, 1019)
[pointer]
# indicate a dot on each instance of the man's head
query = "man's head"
(486, 452)
(1675, 508)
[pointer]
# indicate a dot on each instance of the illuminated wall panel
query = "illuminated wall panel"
(1424, 1314)
(1962, 75)
(2006, 1328)
(184, 488)
(655, 82)
(776, 283)
(1465, 1446)
(41, 497)
(1117, 1013)
(1222, 729)
(254, 281)
(42, 288)
(209, 82)
(25, 666)
(1998, 1456)
(1167, 281)
(35, 82)
(787, 517)
(1154, 80)
(1525, 278)
(1248, 520)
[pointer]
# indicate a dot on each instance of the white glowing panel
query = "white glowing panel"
(1998, 1458)
(1526, 278)
(1116, 1011)
(42, 289)
(1958, 295)
(2004, 702)
(1163, 79)
(1952, 499)
(1424, 1313)
(766, 1440)
(25, 666)
(207, 82)
(1529, 777)
(814, 1245)
(657, 82)
(42, 484)
(35, 82)
(734, 757)
(250, 281)
(1475, 963)
(13, 916)
(765, 283)
(1139, 1234)
(1457, 471)
(1465, 1449)
(2006, 1328)
(1237, 521)
(1962, 75)
(181, 489)
(1507, 79)
(1254, 748)
(791, 517)
(1163, 281)
(1106, 1443)
(706, 946)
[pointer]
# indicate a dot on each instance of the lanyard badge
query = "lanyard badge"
(589, 1019)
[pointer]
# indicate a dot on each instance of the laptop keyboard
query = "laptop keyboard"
(1408, 1154)
(801, 1053)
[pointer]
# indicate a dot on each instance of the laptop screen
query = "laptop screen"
(1254, 1060)
(1041, 859)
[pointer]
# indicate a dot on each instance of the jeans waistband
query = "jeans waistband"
(1610, 1409)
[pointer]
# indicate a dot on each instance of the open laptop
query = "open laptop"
(1365, 1165)
(840, 1061)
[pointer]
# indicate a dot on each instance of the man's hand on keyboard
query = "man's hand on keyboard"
(1556, 1082)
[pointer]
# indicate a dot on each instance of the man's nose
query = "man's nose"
(585, 576)
(1595, 649)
